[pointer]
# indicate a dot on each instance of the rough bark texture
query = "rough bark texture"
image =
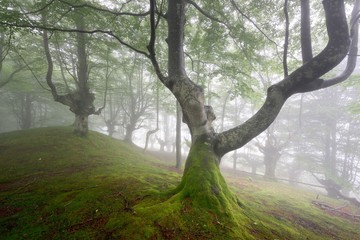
(178, 136)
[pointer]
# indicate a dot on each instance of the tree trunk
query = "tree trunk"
(270, 167)
(271, 157)
(27, 111)
(81, 101)
(130, 128)
(81, 124)
(178, 136)
(202, 182)
(110, 127)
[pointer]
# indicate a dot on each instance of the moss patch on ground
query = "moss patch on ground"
(55, 185)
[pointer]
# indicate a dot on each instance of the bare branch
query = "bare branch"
(47, 28)
(32, 72)
(50, 66)
(205, 13)
(85, 5)
(286, 41)
(151, 46)
(11, 76)
(107, 76)
(252, 22)
(40, 9)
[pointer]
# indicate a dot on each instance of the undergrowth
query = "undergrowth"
(55, 185)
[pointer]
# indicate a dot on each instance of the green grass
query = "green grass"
(55, 185)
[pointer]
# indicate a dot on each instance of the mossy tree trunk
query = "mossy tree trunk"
(202, 181)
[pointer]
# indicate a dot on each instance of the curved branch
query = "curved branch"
(58, 98)
(151, 46)
(50, 65)
(333, 54)
(41, 9)
(205, 13)
(32, 72)
(353, 49)
(351, 59)
(252, 22)
(11, 76)
(85, 5)
(107, 32)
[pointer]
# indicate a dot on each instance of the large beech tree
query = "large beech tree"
(202, 181)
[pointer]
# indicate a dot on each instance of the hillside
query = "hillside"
(54, 185)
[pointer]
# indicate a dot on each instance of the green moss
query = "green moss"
(202, 181)
(100, 188)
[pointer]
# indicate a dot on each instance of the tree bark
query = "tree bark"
(306, 45)
(81, 124)
(178, 136)
(202, 182)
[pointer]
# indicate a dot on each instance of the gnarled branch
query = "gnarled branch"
(309, 73)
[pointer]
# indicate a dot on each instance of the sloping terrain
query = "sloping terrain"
(54, 185)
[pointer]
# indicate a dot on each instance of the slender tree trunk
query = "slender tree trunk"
(110, 127)
(81, 124)
(2, 57)
(24, 110)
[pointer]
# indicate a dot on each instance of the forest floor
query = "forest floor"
(54, 185)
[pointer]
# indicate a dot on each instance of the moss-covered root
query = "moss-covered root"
(203, 184)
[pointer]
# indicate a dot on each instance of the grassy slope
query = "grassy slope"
(54, 185)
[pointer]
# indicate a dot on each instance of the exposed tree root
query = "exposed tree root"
(338, 210)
